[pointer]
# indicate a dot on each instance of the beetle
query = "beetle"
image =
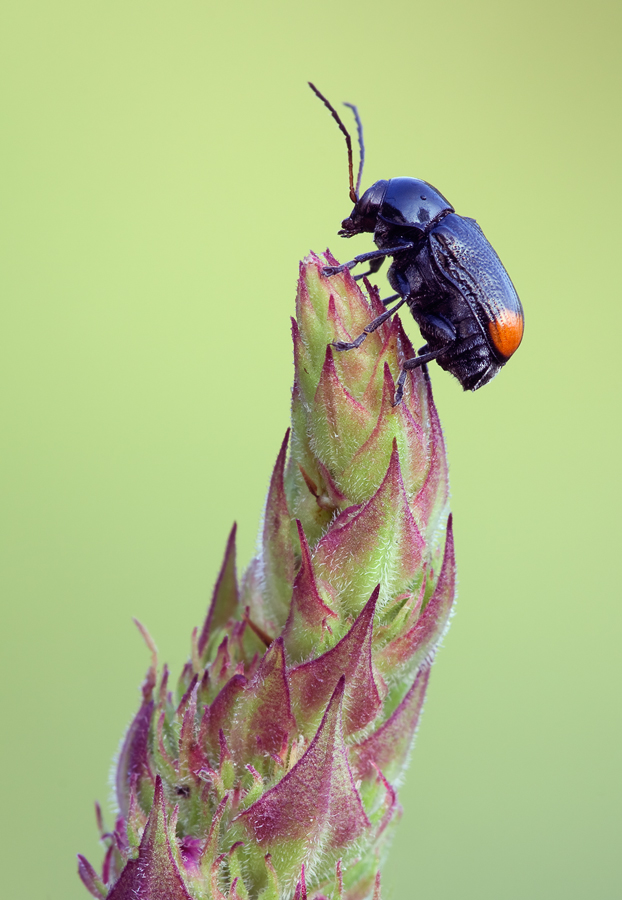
(443, 268)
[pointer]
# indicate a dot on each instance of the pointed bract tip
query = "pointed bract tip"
(377, 886)
(90, 878)
(146, 636)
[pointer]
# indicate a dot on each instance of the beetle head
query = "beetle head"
(364, 216)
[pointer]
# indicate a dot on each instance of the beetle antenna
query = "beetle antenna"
(353, 194)
(359, 130)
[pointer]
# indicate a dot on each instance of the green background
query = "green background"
(164, 167)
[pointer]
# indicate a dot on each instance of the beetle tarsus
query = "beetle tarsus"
(399, 393)
(327, 271)
(349, 345)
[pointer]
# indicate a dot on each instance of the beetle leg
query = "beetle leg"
(389, 299)
(327, 271)
(373, 268)
(414, 363)
(437, 326)
(424, 366)
(443, 330)
(369, 329)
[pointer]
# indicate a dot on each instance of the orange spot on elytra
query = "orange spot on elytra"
(506, 332)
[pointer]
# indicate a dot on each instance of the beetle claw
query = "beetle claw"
(327, 271)
(349, 345)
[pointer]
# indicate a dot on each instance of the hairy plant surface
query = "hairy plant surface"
(270, 770)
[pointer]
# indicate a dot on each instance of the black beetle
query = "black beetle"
(443, 268)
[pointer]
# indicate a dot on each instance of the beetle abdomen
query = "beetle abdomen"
(506, 332)
(471, 362)
(469, 358)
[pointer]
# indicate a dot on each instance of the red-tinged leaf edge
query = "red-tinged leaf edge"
(308, 613)
(278, 553)
(90, 878)
(263, 719)
(226, 594)
(316, 798)
(133, 760)
(154, 874)
(419, 643)
(387, 748)
(313, 682)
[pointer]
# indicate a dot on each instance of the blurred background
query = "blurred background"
(164, 168)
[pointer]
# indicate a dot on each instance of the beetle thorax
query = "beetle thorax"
(412, 203)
